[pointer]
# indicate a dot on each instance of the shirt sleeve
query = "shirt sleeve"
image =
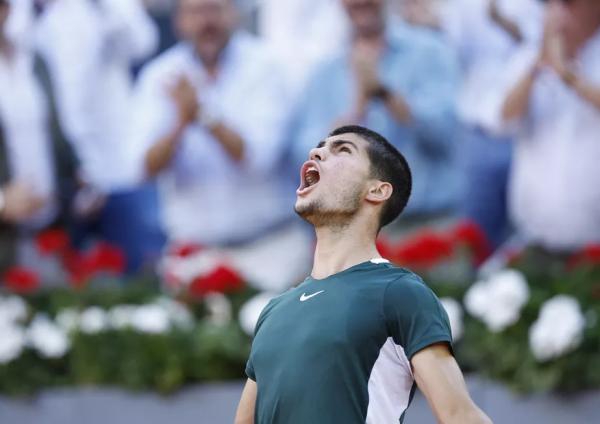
(515, 70)
(414, 316)
(153, 114)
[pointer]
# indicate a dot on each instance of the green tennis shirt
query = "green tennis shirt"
(338, 350)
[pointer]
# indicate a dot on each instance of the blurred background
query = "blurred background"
(149, 157)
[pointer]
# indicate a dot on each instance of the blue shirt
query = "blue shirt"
(423, 70)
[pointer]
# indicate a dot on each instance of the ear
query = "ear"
(379, 192)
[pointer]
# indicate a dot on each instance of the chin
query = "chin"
(305, 209)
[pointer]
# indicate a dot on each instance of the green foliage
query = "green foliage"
(205, 351)
(506, 356)
(128, 358)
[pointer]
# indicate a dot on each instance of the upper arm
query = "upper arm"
(414, 316)
(245, 411)
(133, 25)
(439, 378)
(153, 114)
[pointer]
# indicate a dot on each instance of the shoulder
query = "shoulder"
(170, 61)
(271, 305)
(407, 288)
(252, 51)
(421, 38)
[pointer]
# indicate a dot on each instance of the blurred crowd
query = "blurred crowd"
(148, 123)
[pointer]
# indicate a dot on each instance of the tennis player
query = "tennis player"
(350, 343)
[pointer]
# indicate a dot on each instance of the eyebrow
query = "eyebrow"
(338, 143)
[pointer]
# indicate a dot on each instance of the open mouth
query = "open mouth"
(309, 177)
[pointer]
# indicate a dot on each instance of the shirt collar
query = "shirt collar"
(227, 55)
(396, 35)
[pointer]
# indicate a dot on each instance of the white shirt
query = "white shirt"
(555, 180)
(302, 32)
(484, 48)
(206, 197)
(89, 48)
(24, 121)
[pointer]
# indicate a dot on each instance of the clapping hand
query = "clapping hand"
(183, 94)
(20, 202)
(365, 60)
(554, 52)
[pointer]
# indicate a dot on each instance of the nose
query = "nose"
(317, 154)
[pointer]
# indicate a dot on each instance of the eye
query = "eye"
(345, 149)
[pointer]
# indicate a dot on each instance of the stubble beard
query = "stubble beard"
(320, 215)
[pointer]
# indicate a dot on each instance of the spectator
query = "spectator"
(302, 32)
(37, 165)
(210, 115)
(401, 81)
(90, 46)
(486, 34)
(554, 106)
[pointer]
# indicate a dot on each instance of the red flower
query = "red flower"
(185, 250)
(469, 234)
(52, 241)
(385, 248)
(221, 280)
(78, 267)
(101, 258)
(424, 250)
(21, 280)
(589, 255)
(105, 257)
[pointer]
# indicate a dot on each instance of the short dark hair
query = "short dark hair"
(387, 164)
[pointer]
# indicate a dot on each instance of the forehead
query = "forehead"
(353, 140)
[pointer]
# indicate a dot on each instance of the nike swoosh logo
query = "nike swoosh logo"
(304, 297)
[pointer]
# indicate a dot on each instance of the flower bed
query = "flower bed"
(532, 324)
(133, 337)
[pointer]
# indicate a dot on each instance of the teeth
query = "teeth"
(311, 177)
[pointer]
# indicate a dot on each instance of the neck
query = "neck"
(372, 37)
(340, 248)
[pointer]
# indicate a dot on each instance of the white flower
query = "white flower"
(178, 313)
(455, 315)
(12, 341)
(47, 337)
(93, 320)
(150, 319)
(251, 310)
(12, 309)
(558, 329)
(476, 299)
(498, 300)
(68, 319)
(510, 287)
(121, 316)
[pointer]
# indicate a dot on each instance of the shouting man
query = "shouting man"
(348, 344)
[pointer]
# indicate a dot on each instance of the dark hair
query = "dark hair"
(387, 164)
